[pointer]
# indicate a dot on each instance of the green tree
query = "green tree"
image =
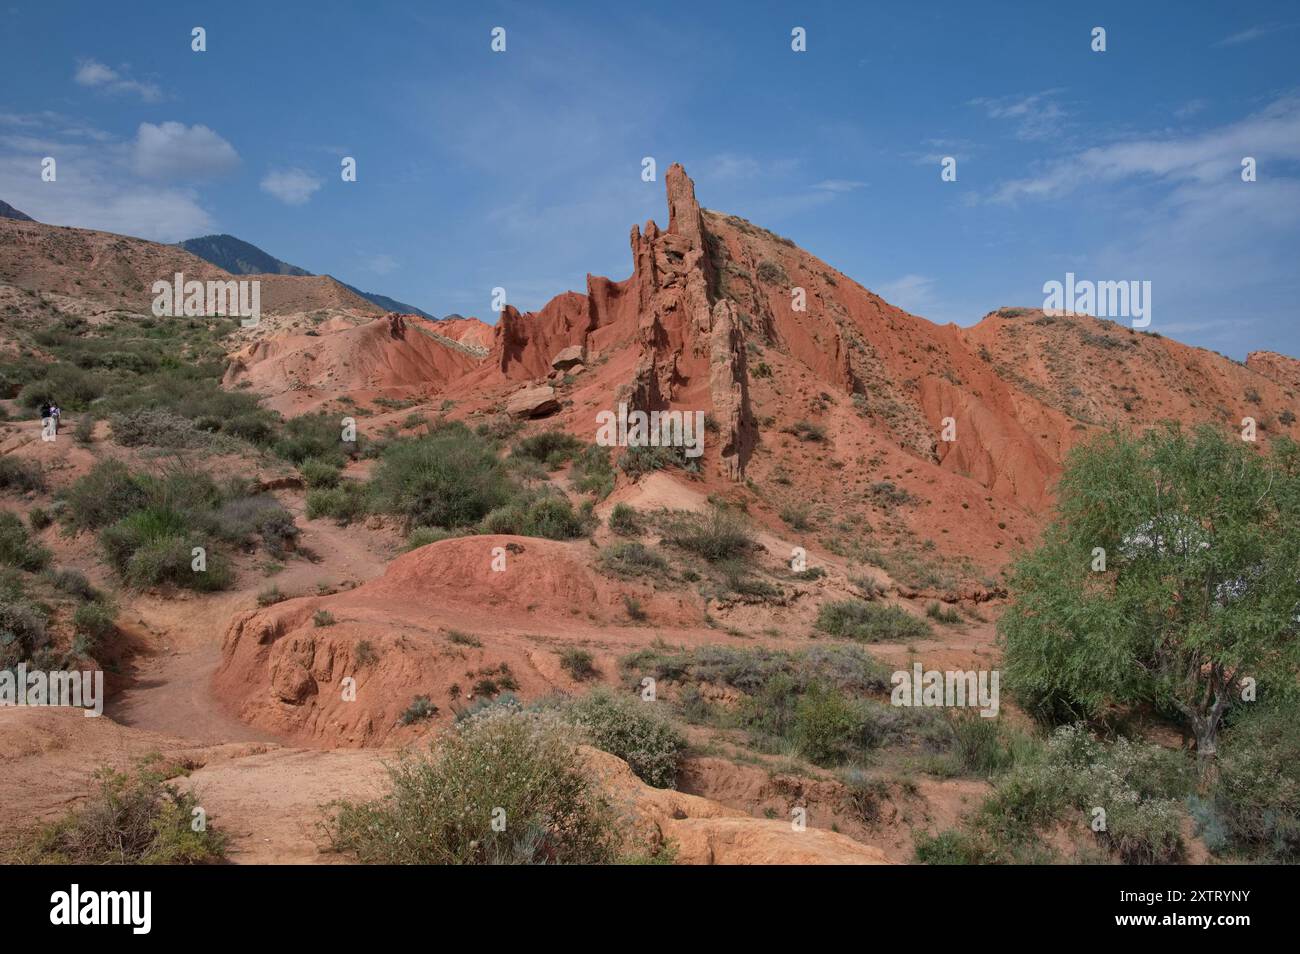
(1170, 574)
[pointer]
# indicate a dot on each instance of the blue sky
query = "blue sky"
(522, 169)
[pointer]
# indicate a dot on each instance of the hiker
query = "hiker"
(56, 414)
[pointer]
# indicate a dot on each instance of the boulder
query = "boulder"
(568, 358)
(533, 402)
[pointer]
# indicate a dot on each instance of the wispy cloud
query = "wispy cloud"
(839, 185)
(291, 186)
(1252, 33)
(95, 75)
(1273, 133)
(910, 292)
(380, 264)
(1037, 116)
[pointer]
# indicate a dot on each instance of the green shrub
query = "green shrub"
(826, 725)
(315, 436)
(17, 548)
(421, 708)
(323, 618)
(593, 472)
(551, 517)
(1257, 793)
(136, 818)
(72, 582)
(855, 619)
(21, 475)
(270, 596)
(624, 520)
(577, 663)
(84, 432)
(440, 808)
(156, 427)
(319, 473)
(1140, 786)
(242, 517)
(103, 496)
(625, 726)
(450, 478)
(22, 631)
(38, 518)
(345, 503)
(551, 448)
(950, 848)
(95, 621)
(423, 536)
(631, 559)
(943, 614)
(636, 462)
(718, 534)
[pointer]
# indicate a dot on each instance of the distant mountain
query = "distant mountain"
(238, 257)
(242, 258)
(7, 211)
(388, 304)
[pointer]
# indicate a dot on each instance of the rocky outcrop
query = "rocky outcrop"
(689, 345)
(569, 357)
(533, 402)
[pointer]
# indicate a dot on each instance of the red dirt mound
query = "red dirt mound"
(399, 636)
(386, 357)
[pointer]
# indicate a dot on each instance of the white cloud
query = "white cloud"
(95, 75)
(839, 185)
(291, 186)
(173, 150)
(910, 292)
(1214, 156)
(1244, 37)
(95, 188)
(379, 264)
(1037, 116)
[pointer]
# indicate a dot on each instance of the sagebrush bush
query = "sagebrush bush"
(549, 447)
(95, 621)
(155, 546)
(449, 478)
(19, 474)
(624, 520)
(631, 559)
(440, 807)
(315, 436)
(577, 663)
(346, 502)
(22, 631)
(131, 818)
(1257, 793)
(156, 427)
(319, 473)
(1140, 786)
(626, 726)
(717, 534)
(17, 548)
(855, 619)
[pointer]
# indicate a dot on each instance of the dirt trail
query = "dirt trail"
(172, 691)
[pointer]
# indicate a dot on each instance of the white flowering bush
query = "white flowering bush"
(632, 729)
